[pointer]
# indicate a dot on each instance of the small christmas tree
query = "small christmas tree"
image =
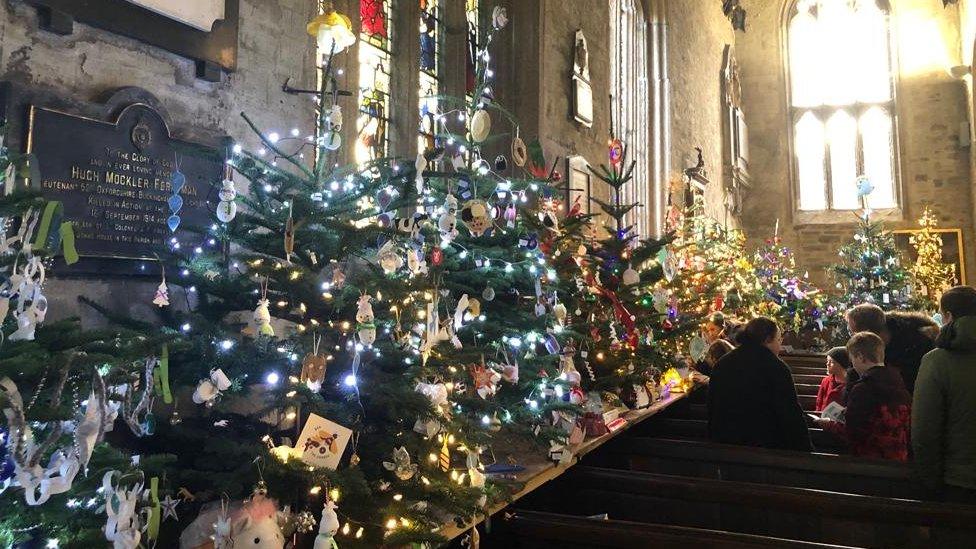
(870, 270)
(932, 275)
(790, 298)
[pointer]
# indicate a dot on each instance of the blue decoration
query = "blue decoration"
(864, 186)
(175, 201)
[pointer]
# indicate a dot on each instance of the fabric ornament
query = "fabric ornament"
(447, 222)
(476, 217)
(208, 390)
(328, 527)
(314, 366)
(401, 466)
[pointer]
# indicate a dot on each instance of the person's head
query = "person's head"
(955, 303)
(838, 361)
(762, 331)
(717, 350)
(714, 327)
(866, 350)
(866, 317)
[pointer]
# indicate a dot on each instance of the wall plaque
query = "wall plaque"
(114, 178)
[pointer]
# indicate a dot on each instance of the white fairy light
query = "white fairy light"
(273, 137)
(185, 327)
(350, 380)
(238, 149)
(272, 378)
(227, 344)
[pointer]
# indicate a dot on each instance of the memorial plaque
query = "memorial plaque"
(114, 178)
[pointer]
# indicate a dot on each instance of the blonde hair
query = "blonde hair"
(867, 345)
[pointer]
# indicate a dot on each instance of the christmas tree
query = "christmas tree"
(870, 270)
(364, 344)
(790, 298)
(931, 274)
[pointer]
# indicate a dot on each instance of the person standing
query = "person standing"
(751, 398)
(944, 406)
(832, 385)
(907, 337)
(878, 415)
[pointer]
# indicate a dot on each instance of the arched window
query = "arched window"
(842, 99)
(430, 71)
(631, 103)
(375, 55)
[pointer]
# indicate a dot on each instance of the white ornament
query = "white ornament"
(209, 389)
(328, 527)
(447, 223)
(227, 207)
(630, 277)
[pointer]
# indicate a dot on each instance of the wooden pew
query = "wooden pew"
(809, 379)
(699, 458)
(532, 529)
(805, 361)
(807, 389)
(779, 511)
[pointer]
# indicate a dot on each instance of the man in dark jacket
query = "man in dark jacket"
(907, 336)
(751, 398)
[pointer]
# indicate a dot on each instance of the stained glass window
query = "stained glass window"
(430, 62)
(375, 41)
(630, 102)
(842, 97)
(474, 27)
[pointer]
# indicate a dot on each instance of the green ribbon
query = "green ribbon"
(44, 227)
(162, 375)
(68, 243)
(155, 509)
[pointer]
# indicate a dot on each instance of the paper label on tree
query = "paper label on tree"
(886, 298)
(322, 442)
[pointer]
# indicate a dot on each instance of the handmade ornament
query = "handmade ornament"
(227, 207)
(616, 152)
(332, 31)
(175, 201)
(499, 17)
(401, 466)
(388, 258)
(485, 380)
(255, 523)
(208, 390)
(447, 222)
(364, 316)
(697, 348)
(313, 366)
(416, 263)
(419, 166)
(328, 527)
(261, 317)
(479, 125)
(411, 225)
(162, 293)
(123, 526)
(500, 163)
(322, 442)
(139, 416)
(559, 311)
(476, 217)
(519, 153)
(31, 307)
(444, 457)
(630, 277)
(488, 294)
(289, 236)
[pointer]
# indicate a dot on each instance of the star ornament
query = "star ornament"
(168, 505)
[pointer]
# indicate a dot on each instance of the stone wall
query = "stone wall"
(88, 64)
(697, 35)
(935, 167)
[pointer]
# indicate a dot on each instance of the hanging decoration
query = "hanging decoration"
(175, 201)
(401, 466)
(162, 291)
(314, 366)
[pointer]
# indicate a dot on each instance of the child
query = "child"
(876, 422)
(832, 385)
(715, 351)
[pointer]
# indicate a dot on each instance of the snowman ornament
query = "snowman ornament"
(447, 223)
(328, 527)
(364, 316)
(227, 207)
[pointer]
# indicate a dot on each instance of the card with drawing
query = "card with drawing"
(322, 442)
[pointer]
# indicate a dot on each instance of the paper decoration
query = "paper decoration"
(322, 442)
(401, 466)
(175, 201)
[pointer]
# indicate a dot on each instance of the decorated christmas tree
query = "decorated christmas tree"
(790, 298)
(870, 268)
(932, 275)
(364, 346)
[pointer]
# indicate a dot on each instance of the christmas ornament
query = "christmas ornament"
(332, 31)
(168, 506)
(519, 152)
(630, 277)
(328, 527)
(388, 258)
(122, 526)
(322, 442)
(162, 294)
(447, 222)
(411, 225)
(313, 366)
(227, 207)
(488, 294)
(31, 309)
(416, 263)
(175, 201)
(208, 390)
(444, 458)
(476, 217)
(480, 125)
(139, 417)
(499, 17)
(261, 317)
(364, 317)
(616, 152)
(401, 466)
(289, 236)
(484, 379)
(500, 163)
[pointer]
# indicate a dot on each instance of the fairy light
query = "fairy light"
(272, 378)
(391, 524)
(359, 533)
(314, 490)
(227, 344)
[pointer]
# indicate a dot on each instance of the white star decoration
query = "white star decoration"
(169, 507)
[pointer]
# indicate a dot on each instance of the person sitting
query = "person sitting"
(751, 398)
(832, 385)
(944, 405)
(713, 354)
(878, 414)
(907, 336)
